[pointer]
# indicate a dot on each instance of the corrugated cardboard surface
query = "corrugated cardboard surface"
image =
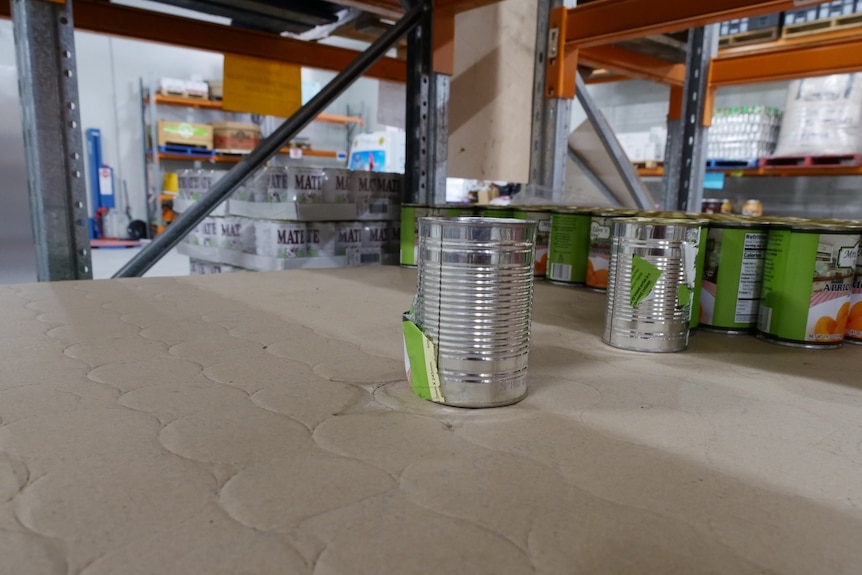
(261, 423)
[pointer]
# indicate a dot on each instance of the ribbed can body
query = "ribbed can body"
(659, 321)
(474, 302)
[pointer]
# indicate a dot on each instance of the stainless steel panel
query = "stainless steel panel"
(17, 251)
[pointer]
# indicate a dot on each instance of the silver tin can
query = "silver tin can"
(651, 283)
(474, 303)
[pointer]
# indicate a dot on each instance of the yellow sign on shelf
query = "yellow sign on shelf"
(258, 86)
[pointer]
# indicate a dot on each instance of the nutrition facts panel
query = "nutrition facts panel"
(750, 278)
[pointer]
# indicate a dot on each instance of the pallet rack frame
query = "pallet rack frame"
(565, 34)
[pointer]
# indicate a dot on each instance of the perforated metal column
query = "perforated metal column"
(686, 192)
(48, 85)
(427, 117)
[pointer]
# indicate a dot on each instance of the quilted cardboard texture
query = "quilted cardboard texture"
(261, 423)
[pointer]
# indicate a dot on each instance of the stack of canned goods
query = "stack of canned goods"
(724, 273)
(196, 182)
(361, 242)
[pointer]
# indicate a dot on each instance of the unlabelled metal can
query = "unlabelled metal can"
(651, 284)
(474, 303)
(733, 274)
(700, 246)
(807, 284)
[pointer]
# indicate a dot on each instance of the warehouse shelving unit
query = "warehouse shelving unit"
(264, 423)
(600, 33)
(833, 51)
(154, 158)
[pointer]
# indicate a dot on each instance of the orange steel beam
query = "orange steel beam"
(788, 60)
(610, 21)
(443, 31)
(633, 65)
(105, 18)
(604, 80)
(561, 62)
(674, 111)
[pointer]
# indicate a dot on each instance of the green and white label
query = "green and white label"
(420, 361)
(733, 277)
(644, 277)
(570, 248)
(695, 280)
(806, 289)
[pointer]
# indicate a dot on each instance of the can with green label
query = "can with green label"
(410, 214)
(452, 212)
(808, 278)
(495, 212)
(733, 274)
(599, 256)
(853, 333)
(570, 246)
(542, 216)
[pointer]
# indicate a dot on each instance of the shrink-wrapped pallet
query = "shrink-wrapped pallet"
(823, 117)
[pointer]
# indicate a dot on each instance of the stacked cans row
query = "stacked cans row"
(296, 184)
(195, 183)
(743, 133)
(375, 195)
(739, 274)
(279, 239)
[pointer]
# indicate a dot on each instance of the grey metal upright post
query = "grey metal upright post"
(427, 116)
(686, 192)
(268, 147)
(672, 165)
(551, 116)
(48, 85)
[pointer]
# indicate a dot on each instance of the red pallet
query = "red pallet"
(838, 161)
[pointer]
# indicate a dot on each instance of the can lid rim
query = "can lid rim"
(478, 221)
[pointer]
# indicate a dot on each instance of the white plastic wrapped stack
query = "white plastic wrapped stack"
(823, 117)
(298, 217)
(743, 133)
(198, 267)
(644, 146)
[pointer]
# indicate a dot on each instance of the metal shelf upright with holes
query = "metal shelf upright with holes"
(45, 46)
(588, 31)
